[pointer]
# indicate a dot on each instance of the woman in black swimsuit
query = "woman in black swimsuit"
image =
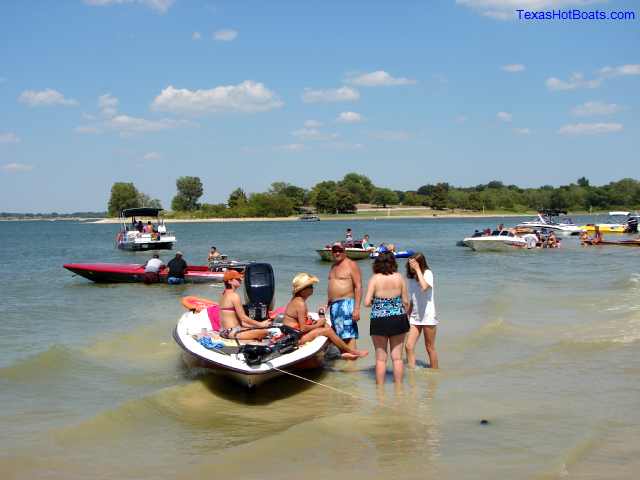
(387, 296)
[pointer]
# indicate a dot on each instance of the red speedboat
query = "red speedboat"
(134, 272)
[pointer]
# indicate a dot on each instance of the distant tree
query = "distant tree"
(495, 184)
(384, 197)
(145, 200)
(123, 195)
(296, 194)
(345, 201)
(583, 182)
(439, 198)
(189, 191)
(270, 205)
(413, 199)
(359, 186)
(237, 198)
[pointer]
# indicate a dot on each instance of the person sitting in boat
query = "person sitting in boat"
(597, 237)
(366, 244)
(584, 237)
(162, 228)
(148, 228)
(234, 322)
(552, 240)
(152, 269)
(177, 269)
(348, 236)
(139, 226)
(214, 254)
(296, 316)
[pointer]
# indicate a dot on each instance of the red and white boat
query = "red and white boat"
(134, 272)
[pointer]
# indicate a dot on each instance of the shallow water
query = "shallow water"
(542, 344)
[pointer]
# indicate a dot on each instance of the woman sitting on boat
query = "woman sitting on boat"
(296, 316)
(234, 322)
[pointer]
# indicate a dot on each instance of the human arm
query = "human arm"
(370, 289)
(356, 278)
(246, 320)
(415, 266)
(405, 295)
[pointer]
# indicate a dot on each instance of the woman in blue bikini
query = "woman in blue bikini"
(387, 296)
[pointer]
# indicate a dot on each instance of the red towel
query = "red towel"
(214, 317)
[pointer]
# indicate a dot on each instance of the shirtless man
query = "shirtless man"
(345, 293)
(297, 316)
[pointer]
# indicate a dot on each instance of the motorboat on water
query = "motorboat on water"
(134, 272)
(552, 220)
(501, 240)
(135, 235)
(353, 250)
(249, 363)
(396, 253)
(309, 217)
(619, 222)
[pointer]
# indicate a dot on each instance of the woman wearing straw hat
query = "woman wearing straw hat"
(296, 316)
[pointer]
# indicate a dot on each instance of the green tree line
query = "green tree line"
(341, 196)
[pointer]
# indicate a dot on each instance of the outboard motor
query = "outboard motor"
(260, 285)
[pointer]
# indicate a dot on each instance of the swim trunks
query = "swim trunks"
(341, 312)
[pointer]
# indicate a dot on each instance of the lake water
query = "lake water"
(544, 344)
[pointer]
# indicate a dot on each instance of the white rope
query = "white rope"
(316, 383)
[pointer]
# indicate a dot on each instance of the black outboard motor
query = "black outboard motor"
(632, 225)
(260, 287)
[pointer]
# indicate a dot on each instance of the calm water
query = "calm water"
(543, 344)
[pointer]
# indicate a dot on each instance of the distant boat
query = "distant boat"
(134, 272)
(131, 238)
(309, 217)
(620, 222)
(550, 219)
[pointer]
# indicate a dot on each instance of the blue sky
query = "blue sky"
(245, 93)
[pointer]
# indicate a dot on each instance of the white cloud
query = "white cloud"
(291, 147)
(16, 167)
(349, 117)
(45, 98)
(9, 137)
(513, 68)
(596, 108)
(87, 129)
(345, 146)
(150, 156)
(461, 119)
(127, 125)
(159, 6)
(108, 105)
(227, 35)
(312, 124)
(247, 96)
(196, 36)
(391, 136)
(342, 94)
(504, 116)
(522, 131)
(506, 9)
(622, 70)
(379, 78)
(313, 134)
(590, 128)
(576, 80)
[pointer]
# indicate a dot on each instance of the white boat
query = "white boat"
(309, 217)
(132, 235)
(550, 219)
(249, 363)
(500, 241)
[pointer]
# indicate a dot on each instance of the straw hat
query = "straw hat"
(302, 281)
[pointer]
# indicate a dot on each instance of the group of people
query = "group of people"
(401, 309)
(148, 227)
(585, 239)
(366, 243)
(177, 268)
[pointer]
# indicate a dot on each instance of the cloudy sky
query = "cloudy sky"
(245, 93)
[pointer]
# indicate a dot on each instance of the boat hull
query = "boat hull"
(134, 273)
(352, 253)
(232, 365)
(479, 245)
(621, 243)
(605, 228)
(141, 246)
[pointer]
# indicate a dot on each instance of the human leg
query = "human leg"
(258, 334)
(349, 353)
(380, 344)
(410, 346)
(430, 344)
(396, 356)
(342, 323)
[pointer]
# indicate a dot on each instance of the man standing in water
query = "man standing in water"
(344, 292)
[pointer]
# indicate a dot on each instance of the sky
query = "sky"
(245, 93)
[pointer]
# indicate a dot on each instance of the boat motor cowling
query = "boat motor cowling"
(260, 286)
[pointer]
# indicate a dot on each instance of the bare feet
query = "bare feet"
(355, 355)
